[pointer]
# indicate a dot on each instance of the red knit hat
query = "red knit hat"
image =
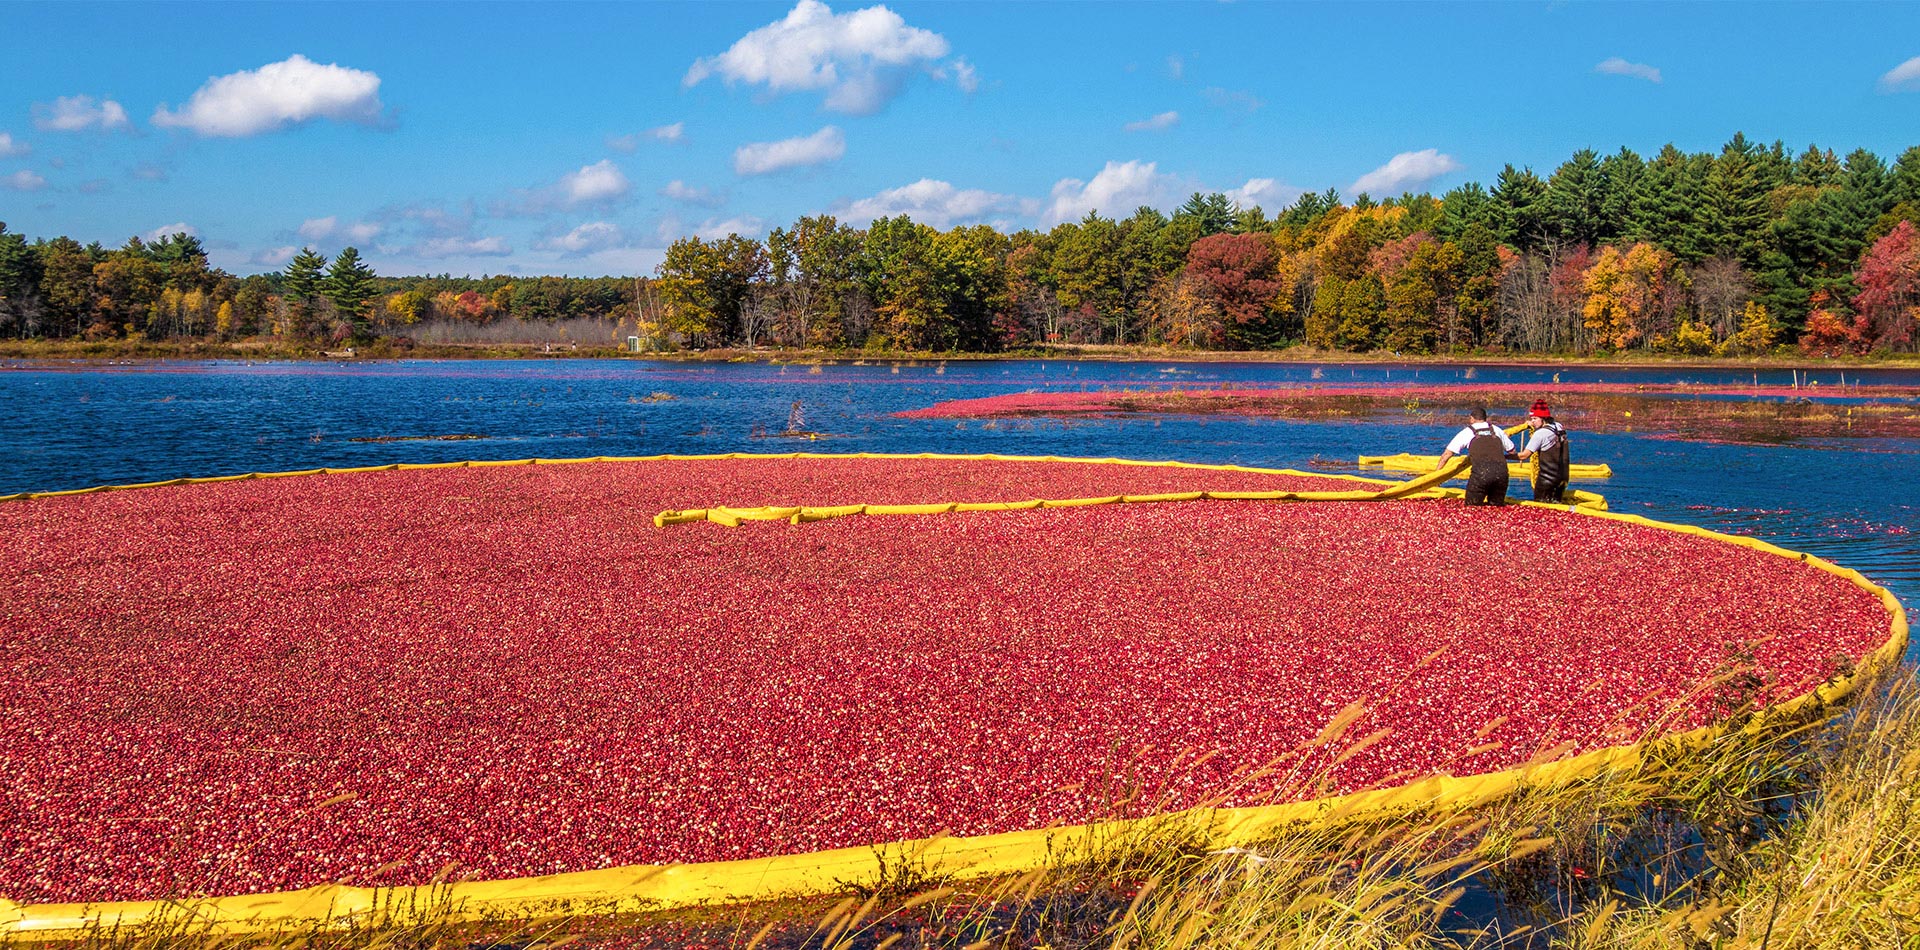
(1540, 409)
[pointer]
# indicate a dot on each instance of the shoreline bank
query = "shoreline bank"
(118, 351)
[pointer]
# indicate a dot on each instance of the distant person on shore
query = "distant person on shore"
(1549, 441)
(1486, 445)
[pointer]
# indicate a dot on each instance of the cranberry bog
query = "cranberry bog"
(296, 698)
(1739, 414)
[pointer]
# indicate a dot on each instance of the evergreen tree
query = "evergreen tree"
(1464, 207)
(1520, 211)
(19, 284)
(304, 275)
(1623, 171)
(1147, 254)
(1667, 208)
(1423, 213)
(1773, 166)
(1576, 199)
(1866, 192)
(1905, 186)
(349, 285)
(66, 283)
(1815, 168)
(1735, 213)
(1213, 212)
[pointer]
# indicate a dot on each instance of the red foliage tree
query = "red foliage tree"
(1388, 259)
(474, 306)
(1889, 281)
(1237, 274)
(1568, 278)
(1829, 334)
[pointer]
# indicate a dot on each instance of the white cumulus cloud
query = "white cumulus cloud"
(600, 181)
(316, 229)
(764, 158)
(1119, 188)
(78, 113)
(688, 194)
(10, 148)
(1233, 100)
(1615, 66)
(936, 203)
(965, 76)
(458, 246)
(671, 228)
(671, 134)
(1264, 193)
(169, 230)
(714, 229)
(592, 236)
(1404, 170)
(275, 257)
(289, 92)
(24, 180)
(1159, 123)
(1902, 77)
(859, 59)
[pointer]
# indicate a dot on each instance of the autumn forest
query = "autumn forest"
(1750, 250)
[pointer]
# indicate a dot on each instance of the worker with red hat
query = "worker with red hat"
(1548, 440)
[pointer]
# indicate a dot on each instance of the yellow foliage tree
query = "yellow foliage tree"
(1624, 291)
(1756, 335)
(223, 318)
(1182, 314)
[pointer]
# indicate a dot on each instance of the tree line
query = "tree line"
(1741, 251)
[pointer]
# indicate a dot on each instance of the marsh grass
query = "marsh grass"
(1776, 834)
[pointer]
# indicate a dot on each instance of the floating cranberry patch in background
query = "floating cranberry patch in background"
(512, 669)
(1702, 413)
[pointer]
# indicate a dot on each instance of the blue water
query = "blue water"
(1851, 500)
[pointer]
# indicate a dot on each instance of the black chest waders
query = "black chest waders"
(1555, 462)
(1487, 481)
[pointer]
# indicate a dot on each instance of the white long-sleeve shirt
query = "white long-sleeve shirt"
(1459, 444)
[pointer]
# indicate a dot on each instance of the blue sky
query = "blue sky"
(583, 138)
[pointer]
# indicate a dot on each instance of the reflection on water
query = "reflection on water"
(71, 427)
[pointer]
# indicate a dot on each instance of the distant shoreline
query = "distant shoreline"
(117, 351)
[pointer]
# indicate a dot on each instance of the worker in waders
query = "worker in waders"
(1548, 440)
(1486, 445)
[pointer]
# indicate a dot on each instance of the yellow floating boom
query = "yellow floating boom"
(1405, 462)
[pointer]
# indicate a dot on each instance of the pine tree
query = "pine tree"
(1462, 208)
(1905, 186)
(1815, 168)
(1576, 197)
(1214, 212)
(1735, 212)
(1666, 209)
(1622, 171)
(349, 285)
(1520, 208)
(304, 274)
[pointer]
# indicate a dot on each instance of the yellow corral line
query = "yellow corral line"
(644, 887)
